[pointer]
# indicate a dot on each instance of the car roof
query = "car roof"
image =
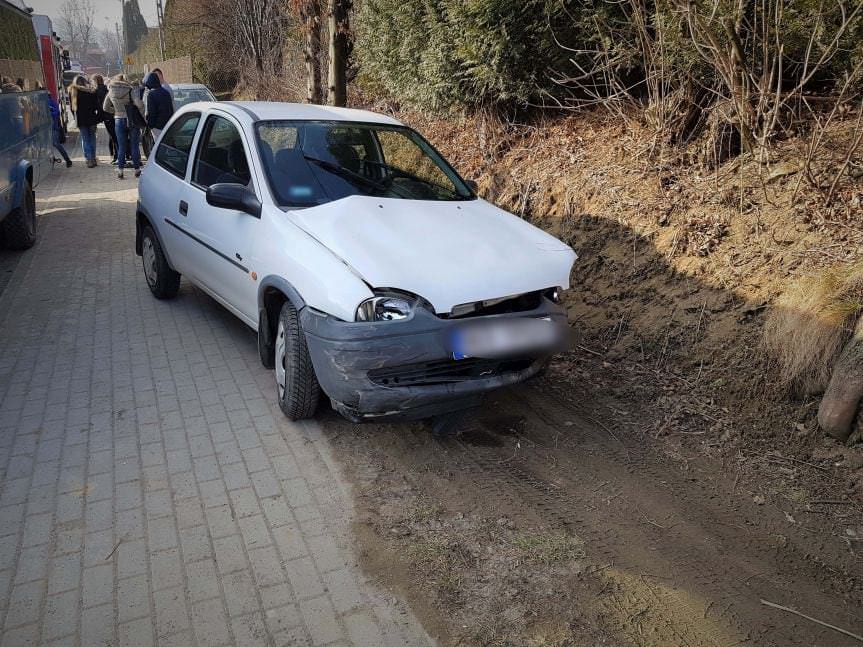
(273, 110)
(189, 86)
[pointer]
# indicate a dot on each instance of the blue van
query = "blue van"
(26, 158)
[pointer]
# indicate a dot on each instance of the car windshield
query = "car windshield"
(313, 162)
(190, 95)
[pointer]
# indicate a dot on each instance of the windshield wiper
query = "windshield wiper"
(345, 172)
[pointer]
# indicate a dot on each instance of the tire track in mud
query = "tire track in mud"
(672, 554)
(566, 513)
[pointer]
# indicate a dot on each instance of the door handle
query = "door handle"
(184, 207)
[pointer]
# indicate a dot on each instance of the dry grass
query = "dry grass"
(549, 549)
(810, 323)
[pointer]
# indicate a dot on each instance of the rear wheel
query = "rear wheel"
(296, 383)
(19, 228)
(161, 279)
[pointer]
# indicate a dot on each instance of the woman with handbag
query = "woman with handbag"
(106, 118)
(128, 111)
(85, 106)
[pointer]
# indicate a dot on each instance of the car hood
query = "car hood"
(447, 252)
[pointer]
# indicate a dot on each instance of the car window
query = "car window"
(173, 151)
(182, 96)
(313, 162)
(403, 154)
(275, 137)
(221, 156)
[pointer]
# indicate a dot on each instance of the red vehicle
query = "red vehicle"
(55, 60)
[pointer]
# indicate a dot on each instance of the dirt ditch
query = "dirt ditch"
(542, 523)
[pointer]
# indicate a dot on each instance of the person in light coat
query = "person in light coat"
(123, 101)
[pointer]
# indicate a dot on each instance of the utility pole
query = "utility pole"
(123, 20)
(119, 46)
(160, 19)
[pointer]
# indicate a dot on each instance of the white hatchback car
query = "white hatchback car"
(370, 270)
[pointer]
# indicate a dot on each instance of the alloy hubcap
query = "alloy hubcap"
(280, 360)
(149, 254)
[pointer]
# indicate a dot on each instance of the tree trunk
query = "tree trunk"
(311, 18)
(842, 397)
(337, 87)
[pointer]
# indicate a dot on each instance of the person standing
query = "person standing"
(86, 111)
(107, 118)
(7, 85)
(128, 109)
(165, 85)
(56, 129)
(159, 106)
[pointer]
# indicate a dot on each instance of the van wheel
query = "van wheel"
(161, 279)
(296, 383)
(19, 228)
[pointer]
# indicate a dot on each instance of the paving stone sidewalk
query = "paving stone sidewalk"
(151, 493)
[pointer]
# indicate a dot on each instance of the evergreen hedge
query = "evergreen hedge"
(17, 36)
(443, 54)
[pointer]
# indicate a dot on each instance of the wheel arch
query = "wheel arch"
(143, 219)
(273, 291)
(23, 175)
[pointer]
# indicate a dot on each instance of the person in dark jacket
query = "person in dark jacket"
(87, 113)
(105, 117)
(159, 105)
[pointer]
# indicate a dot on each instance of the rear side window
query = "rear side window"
(221, 156)
(176, 144)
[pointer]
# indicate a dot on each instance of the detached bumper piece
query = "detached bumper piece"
(406, 369)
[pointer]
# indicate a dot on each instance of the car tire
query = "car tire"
(161, 279)
(19, 227)
(297, 386)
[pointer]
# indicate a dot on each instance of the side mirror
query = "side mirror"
(234, 196)
(472, 185)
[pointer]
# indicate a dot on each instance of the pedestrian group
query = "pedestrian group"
(126, 109)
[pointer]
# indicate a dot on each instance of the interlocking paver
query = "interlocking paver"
(151, 492)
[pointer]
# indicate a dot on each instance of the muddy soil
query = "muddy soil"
(546, 521)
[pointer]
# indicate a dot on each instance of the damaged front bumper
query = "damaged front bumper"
(406, 369)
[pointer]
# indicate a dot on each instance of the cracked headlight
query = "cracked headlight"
(386, 307)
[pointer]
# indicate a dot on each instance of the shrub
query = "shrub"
(443, 54)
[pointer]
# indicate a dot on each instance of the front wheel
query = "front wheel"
(161, 279)
(19, 228)
(296, 383)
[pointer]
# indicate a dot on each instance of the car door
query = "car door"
(162, 184)
(224, 236)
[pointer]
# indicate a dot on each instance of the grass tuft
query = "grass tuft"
(810, 323)
(549, 549)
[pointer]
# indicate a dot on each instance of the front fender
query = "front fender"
(283, 286)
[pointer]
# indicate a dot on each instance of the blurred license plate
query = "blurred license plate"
(504, 338)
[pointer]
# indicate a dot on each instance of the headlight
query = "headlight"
(386, 307)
